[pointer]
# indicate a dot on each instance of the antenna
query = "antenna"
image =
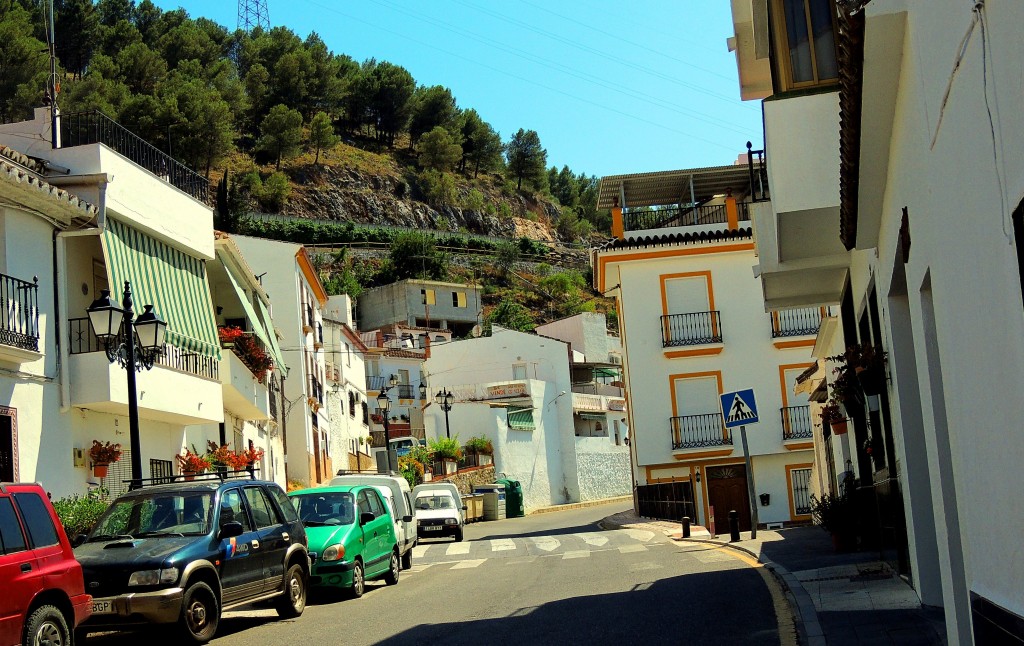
(52, 82)
(252, 14)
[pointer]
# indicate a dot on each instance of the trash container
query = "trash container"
(513, 498)
(494, 500)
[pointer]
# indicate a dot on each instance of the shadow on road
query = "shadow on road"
(560, 531)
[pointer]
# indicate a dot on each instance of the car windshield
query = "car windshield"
(435, 502)
(158, 514)
(325, 508)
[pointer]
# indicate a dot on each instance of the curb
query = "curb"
(578, 505)
(807, 622)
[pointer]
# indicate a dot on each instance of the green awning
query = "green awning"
(250, 313)
(281, 366)
(170, 280)
(521, 419)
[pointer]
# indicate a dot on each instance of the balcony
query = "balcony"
(496, 391)
(582, 402)
(681, 216)
(407, 391)
(796, 423)
(804, 321)
(182, 388)
(19, 324)
(376, 383)
(695, 328)
(245, 395)
(698, 431)
(94, 127)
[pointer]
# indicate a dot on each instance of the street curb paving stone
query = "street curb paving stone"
(578, 505)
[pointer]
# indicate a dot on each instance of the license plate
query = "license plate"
(102, 607)
(432, 528)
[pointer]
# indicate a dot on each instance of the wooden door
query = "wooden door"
(727, 490)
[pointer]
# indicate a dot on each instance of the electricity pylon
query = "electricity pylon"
(252, 14)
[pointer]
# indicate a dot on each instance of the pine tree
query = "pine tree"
(526, 157)
(281, 133)
(321, 134)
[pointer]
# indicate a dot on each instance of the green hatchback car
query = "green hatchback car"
(352, 533)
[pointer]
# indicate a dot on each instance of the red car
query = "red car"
(43, 595)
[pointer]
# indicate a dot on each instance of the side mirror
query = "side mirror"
(79, 539)
(313, 556)
(231, 529)
(366, 517)
(464, 508)
(407, 518)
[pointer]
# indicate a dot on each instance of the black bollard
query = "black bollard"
(734, 526)
(686, 527)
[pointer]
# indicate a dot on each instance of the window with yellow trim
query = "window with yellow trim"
(805, 52)
(427, 296)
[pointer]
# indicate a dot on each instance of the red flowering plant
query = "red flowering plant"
(229, 335)
(249, 350)
(104, 452)
(192, 461)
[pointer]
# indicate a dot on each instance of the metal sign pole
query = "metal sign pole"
(750, 484)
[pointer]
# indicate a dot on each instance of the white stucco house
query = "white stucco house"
(693, 326)
(348, 408)
(897, 184)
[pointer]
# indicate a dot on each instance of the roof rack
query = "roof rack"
(216, 475)
(366, 472)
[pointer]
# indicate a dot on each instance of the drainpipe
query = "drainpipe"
(60, 287)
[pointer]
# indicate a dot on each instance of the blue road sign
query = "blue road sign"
(739, 408)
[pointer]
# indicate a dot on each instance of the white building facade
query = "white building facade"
(347, 405)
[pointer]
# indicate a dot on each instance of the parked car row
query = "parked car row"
(180, 554)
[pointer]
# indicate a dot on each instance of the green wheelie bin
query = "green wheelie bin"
(513, 498)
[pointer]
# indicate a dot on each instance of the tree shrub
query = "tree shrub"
(78, 514)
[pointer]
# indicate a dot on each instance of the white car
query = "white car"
(438, 514)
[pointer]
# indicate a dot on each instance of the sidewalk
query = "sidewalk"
(838, 599)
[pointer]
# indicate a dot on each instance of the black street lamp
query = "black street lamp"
(117, 329)
(445, 400)
(383, 406)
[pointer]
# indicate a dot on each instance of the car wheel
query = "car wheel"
(46, 627)
(200, 613)
(407, 559)
(391, 578)
(358, 581)
(458, 535)
(291, 604)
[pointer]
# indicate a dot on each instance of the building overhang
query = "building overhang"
(810, 282)
(750, 43)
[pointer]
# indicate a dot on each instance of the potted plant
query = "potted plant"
(859, 370)
(229, 335)
(837, 515)
(833, 416)
(447, 451)
(482, 448)
(192, 462)
(102, 456)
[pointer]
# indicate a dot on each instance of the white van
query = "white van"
(401, 498)
(447, 486)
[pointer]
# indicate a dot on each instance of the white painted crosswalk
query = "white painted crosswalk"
(546, 543)
(458, 548)
(502, 544)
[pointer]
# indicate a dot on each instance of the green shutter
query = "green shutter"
(521, 419)
(170, 280)
(274, 347)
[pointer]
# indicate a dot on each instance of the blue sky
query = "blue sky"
(610, 87)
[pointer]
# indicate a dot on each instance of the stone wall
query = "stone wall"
(604, 475)
(466, 479)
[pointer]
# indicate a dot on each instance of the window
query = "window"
(284, 506)
(1018, 240)
(11, 539)
(800, 480)
(458, 299)
(363, 501)
(806, 46)
(427, 296)
(521, 419)
(161, 469)
(375, 505)
(518, 371)
(260, 507)
(232, 510)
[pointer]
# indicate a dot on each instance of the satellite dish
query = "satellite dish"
(476, 331)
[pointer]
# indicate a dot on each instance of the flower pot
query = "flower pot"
(100, 470)
(485, 460)
(872, 380)
(840, 427)
(189, 475)
(450, 467)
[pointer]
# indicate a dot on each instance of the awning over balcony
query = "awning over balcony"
(274, 347)
(170, 280)
(673, 187)
(259, 324)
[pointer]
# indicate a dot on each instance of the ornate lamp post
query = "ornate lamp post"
(117, 329)
(383, 406)
(445, 400)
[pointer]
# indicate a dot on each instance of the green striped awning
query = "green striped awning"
(275, 349)
(170, 280)
(521, 419)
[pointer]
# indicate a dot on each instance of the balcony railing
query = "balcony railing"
(695, 431)
(81, 340)
(694, 328)
(804, 321)
(758, 174)
(796, 423)
(252, 352)
(94, 127)
(19, 324)
(681, 216)
(376, 383)
(407, 391)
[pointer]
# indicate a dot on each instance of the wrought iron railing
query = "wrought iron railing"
(252, 352)
(407, 391)
(694, 328)
(81, 340)
(796, 422)
(694, 431)
(681, 216)
(804, 321)
(94, 127)
(19, 324)
(376, 383)
(758, 174)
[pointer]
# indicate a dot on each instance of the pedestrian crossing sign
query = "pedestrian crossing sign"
(739, 408)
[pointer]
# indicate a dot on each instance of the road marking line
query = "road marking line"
(458, 548)
(523, 560)
(546, 543)
(593, 538)
(419, 551)
(626, 549)
(501, 544)
(462, 565)
(638, 534)
(576, 554)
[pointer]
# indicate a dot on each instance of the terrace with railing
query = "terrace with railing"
(681, 216)
(696, 431)
(803, 321)
(796, 423)
(694, 328)
(81, 340)
(19, 326)
(94, 127)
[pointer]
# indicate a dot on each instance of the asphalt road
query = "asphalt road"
(552, 578)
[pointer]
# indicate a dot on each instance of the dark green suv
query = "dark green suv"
(182, 553)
